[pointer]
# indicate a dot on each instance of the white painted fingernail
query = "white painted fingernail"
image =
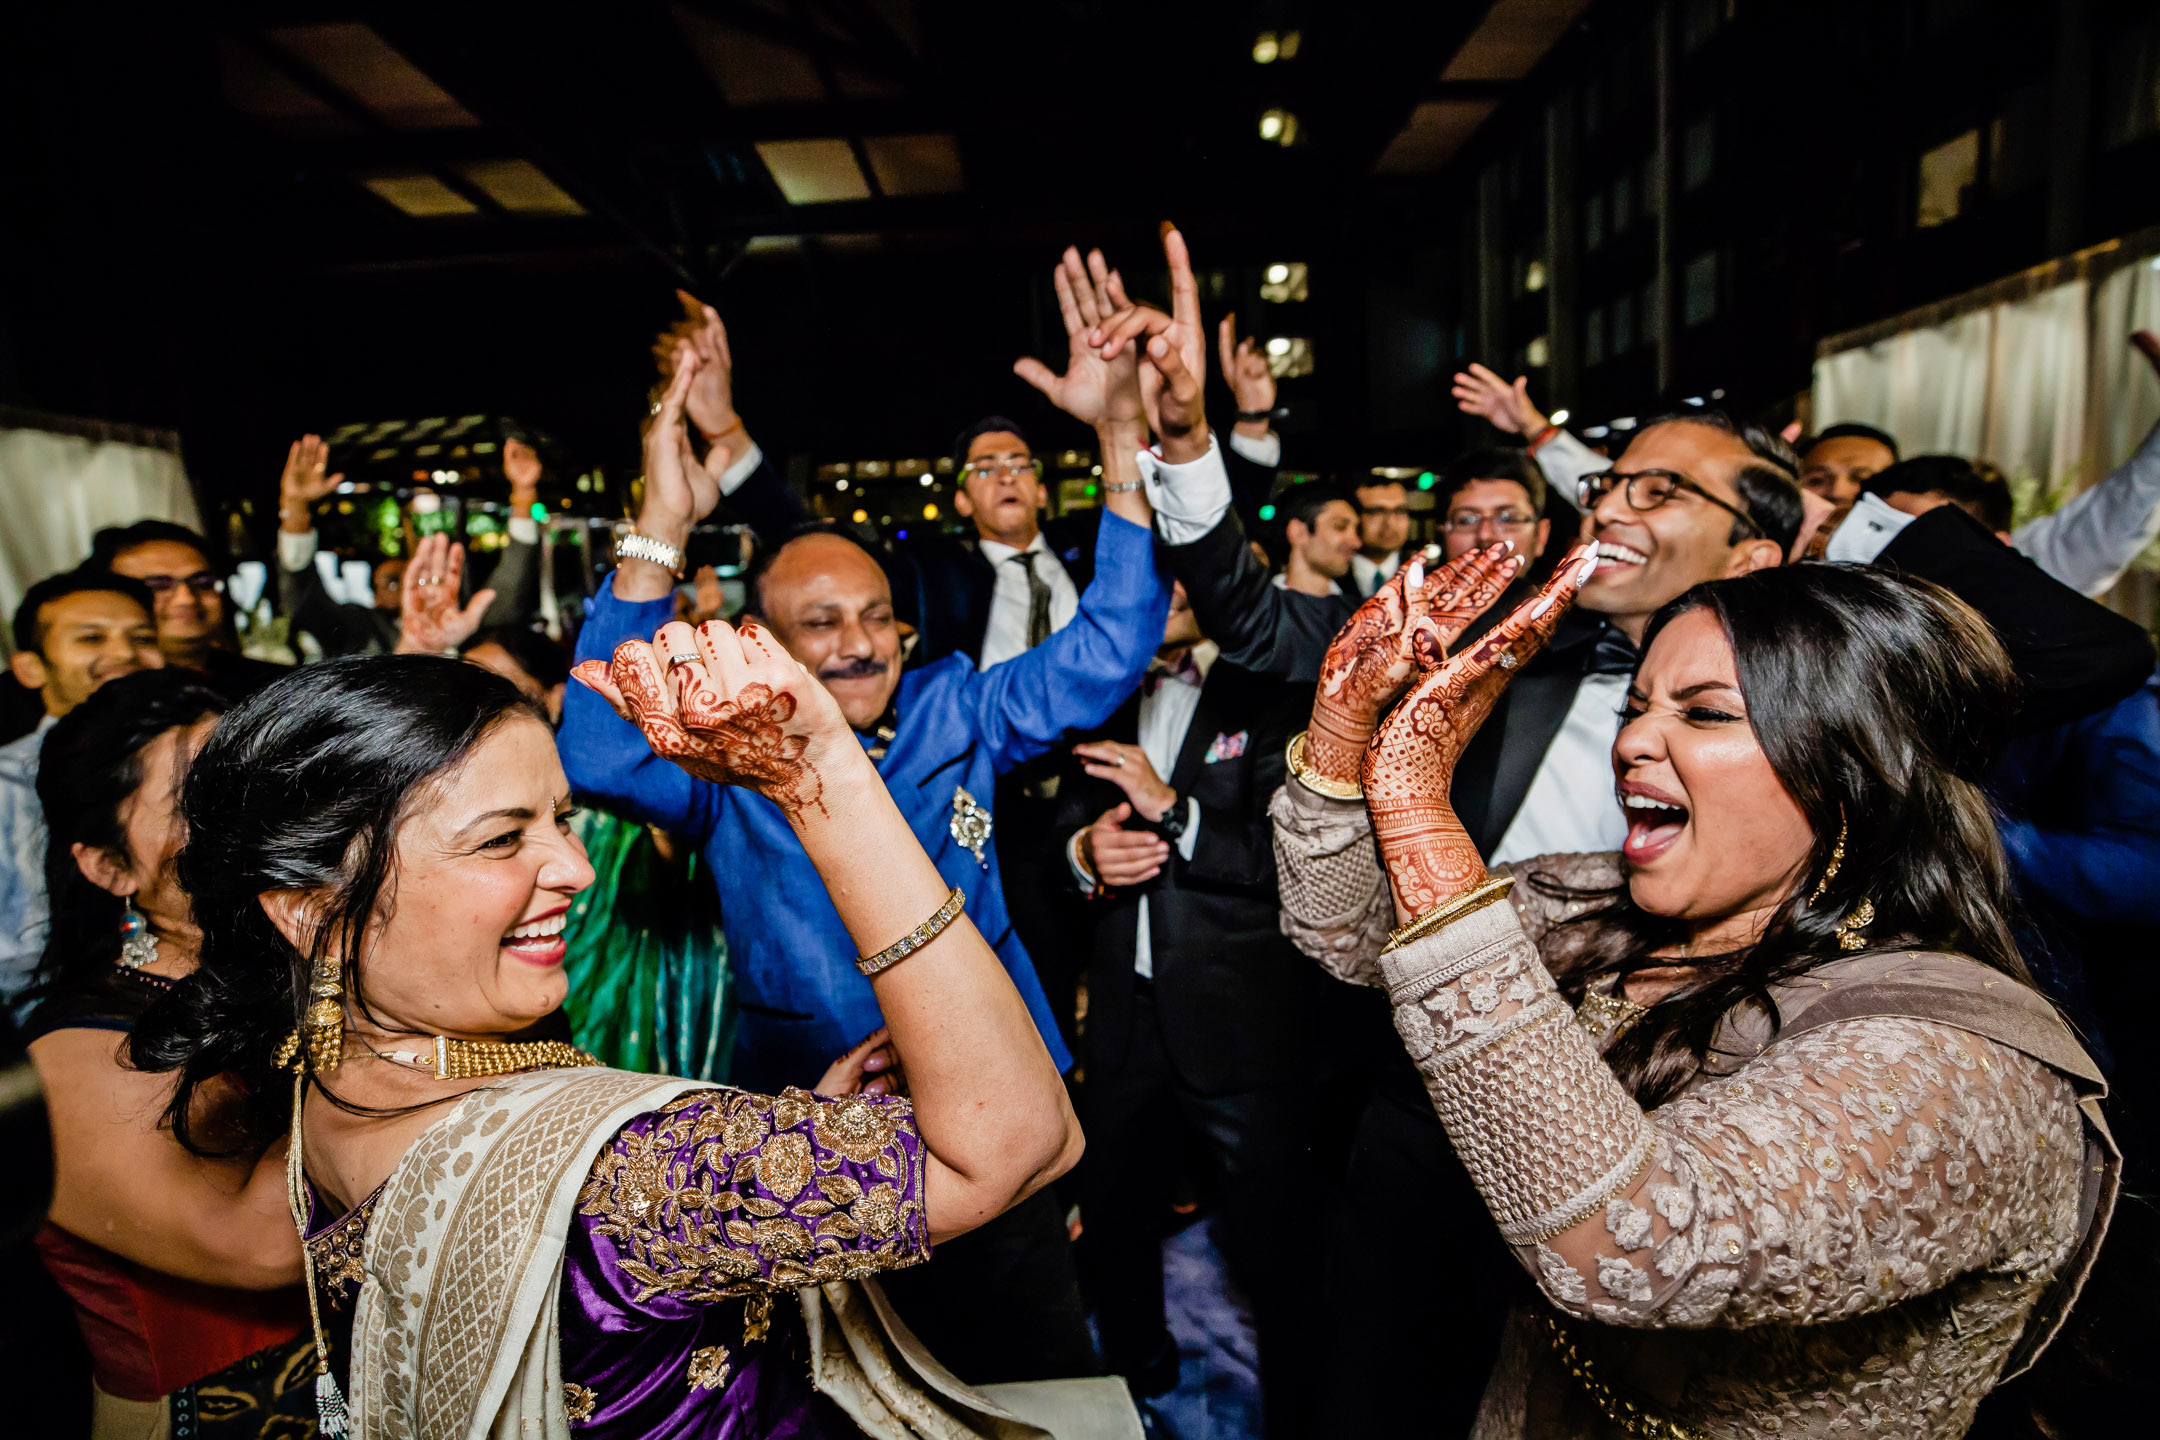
(1417, 575)
(1541, 607)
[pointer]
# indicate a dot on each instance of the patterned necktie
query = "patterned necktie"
(1038, 600)
(1614, 654)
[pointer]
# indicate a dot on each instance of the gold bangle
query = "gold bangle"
(1448, 912)
(1294, 757)
(916, 938)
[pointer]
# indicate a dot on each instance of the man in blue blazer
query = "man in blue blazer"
(940, 735)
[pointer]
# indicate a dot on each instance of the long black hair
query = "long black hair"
(304, 787)
(1879, 701)
(89, 765)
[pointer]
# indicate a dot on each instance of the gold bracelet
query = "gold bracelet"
(1294, 757)
(1448, 912)
(916, 938)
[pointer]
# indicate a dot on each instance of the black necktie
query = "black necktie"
(1614, 654)
(1038, 600)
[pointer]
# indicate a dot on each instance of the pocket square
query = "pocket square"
(1226, 747)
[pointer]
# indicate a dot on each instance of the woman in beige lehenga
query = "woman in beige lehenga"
(1765, 1102)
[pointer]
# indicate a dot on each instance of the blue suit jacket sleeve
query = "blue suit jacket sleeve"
(1076, 679)
(2098, 858)
(605, 756)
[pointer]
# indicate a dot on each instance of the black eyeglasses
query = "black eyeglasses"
(1648, 489)
(202, 582)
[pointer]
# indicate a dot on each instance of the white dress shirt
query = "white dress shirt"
(1166, 713)
(2091, 540)
(1372, 574)
(1007, 633)
(1266, 450)
(1571, 807)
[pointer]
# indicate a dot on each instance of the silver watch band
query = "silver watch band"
(635, 546)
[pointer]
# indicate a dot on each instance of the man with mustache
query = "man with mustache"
(940, 736)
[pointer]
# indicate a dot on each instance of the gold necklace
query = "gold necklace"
(473, 1059)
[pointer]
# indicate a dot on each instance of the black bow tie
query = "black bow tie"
(1614, 654)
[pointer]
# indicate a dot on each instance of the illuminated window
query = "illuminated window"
(1280, 127)
(1948, 174)
(1289, 357)
(1283, 282)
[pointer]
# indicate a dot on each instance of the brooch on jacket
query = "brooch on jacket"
(970, 824)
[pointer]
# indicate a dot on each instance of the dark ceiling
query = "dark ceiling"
(244, 220)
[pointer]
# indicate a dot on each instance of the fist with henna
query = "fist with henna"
(730, 706)
(1374, 656)
(1410, 764)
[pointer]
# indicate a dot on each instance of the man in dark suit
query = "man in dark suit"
(1206, 1029)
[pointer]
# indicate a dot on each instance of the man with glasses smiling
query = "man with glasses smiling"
(193, 624)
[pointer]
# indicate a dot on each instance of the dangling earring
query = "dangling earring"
(138, 947)
(1837, 858)
(326, 1016)
(1848, 930)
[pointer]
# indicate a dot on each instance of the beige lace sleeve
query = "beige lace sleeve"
(1335, 902)
(1841, 1171)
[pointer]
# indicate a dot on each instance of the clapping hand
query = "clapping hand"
(731, 706)
(1174, 376)
(1121, 858)
(710, 402)
(1478, 391)
(1411, 620)
(680, 489)
(1128, 768)
(430, 620)
(1410, 763)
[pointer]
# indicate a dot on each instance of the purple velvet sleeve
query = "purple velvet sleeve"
(721, 1194)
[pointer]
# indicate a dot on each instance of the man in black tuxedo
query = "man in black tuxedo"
(1206, 1029)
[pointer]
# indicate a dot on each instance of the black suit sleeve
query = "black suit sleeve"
(1260, 628)
(307, 603)
(516, 583)
(1250, 483)
(765, 504)
(2072, 655)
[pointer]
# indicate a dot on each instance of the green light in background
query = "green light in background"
(1267, 512)
(1426, 480)
(539, 509)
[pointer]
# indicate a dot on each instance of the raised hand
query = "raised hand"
(1478, 391)
(521, 467)
(1409, 622)
(680, 489)
(1175, 375)
(1410, 763)
(303, 483)
(430, 620)
(1095, 390)
(730, 706)
(711, 401)
(1245, 369)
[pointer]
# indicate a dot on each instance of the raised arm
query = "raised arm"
(2091, 540)
(516, 578)
(748, 483)
(732, 707)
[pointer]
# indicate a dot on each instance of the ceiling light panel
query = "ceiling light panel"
(364, 65)
(916, 164)
(814, 172)
(422, 196)
(520, 187)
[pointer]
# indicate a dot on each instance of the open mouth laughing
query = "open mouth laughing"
(540, 941)
(1655, 819)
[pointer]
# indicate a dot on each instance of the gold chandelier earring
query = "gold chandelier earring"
(326, 1014)
(1849, 929)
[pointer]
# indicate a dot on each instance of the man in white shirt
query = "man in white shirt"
(1383, 525)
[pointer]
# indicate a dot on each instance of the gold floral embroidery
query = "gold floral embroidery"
(709, 1367)
(720, 1198)
(336, 1253)
(853, 1127)
(579, 1402)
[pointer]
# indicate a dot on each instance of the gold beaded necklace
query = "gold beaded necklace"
(467, 1059)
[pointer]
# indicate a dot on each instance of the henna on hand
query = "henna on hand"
(1410, 763)
(1394, 634)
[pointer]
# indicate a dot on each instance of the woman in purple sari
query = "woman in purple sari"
(506, 1239)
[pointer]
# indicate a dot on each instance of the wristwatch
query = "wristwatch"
(1172, 824)
(635, 546)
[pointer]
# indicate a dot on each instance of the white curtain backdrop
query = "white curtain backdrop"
(57, 490)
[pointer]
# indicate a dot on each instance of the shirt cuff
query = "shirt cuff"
(1863, 534)
(1082, 876)
(1565, 460)
(523, 530)
(1192, 828)
(1266, 450)
(1189, 499)
(295, 552)
(741, 468)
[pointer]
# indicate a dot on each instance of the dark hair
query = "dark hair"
(1304, 503)
(88, 766)
(1492, 462)
(30, 630)
(1879, 701)
(1853, 430)
(1974, 487)
(1769, 486)
(988, 425)
(110, 543)
(536, 654)
(303, 787)
(768, 556)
